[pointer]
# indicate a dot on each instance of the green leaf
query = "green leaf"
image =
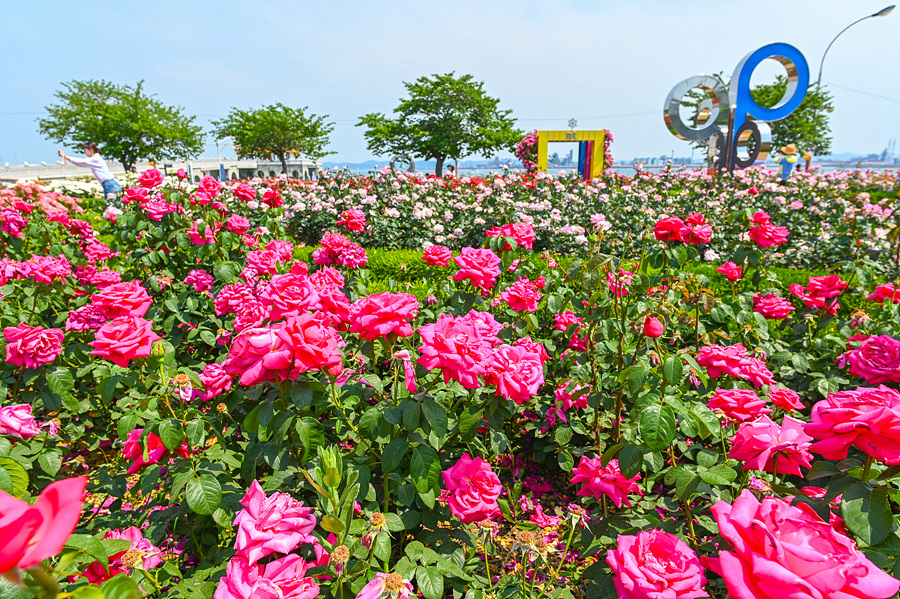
(121, 587)
(468, 421)
(204, 494)
(430, 581)
(91, 546)
(718, 475)
(866, 512)
(375, 381)
(436, 416)
(171, 433)
(673, 370)
(801, 364)
(225, 272)
(16, 475)
(636, 380)
(563, 435)
(631, 460)
(312, 435)
(658, 427)
(425, 468)
(393, 454)
(50, 462)
(301, 394)
(60, 381)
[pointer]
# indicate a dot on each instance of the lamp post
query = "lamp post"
(881, 13)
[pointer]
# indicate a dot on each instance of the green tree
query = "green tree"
(126, 123)
(444, 117)
(275, 130)
(807, 127)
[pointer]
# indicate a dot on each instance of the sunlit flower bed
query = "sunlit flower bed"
(188, 409)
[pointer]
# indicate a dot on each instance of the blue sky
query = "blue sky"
(609, 63)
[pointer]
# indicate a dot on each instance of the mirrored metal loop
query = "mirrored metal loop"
(716, 101)
(715, 153)
(403, 159)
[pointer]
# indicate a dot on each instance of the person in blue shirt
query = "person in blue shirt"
(785, 160)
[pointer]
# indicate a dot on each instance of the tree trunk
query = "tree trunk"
(439, 166)
(283, 163)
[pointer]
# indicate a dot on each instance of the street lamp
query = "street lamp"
(881, 13)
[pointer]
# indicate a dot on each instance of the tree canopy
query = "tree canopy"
(444, 117)
(275, 130)
(126, 123)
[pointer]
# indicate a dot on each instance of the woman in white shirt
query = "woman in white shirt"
(95, 162)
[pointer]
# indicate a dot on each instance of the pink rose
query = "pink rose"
(46, 269)
(474, 489)
(888, 292)
(734, 361)
(86, 318)
(284, 578)
(149, 554)
(274, 524)
(765, 446)
(653, 327)
(732, 271)
(150, 178)
(618, 283)
(565, 319)
(866, 417)
(377, 587)
(17, 421)
(378, 315)
(768, 235)
(437, 255)
(207, 236)
(486, 325)
(785, 398)
(522, 296)
(237, 224)
(334, 304)
(740, 405)
(32, 347)
(104, 278)
(772, 306)
(260, 262)
(156, 451)
(244, 192)
(877, 360)
(135, 194)
(352, 220)
(157, 209)
(517, 372)
(314, 344)
(124, 339)
(523, 233)
(534, 347)
(283, 250)
(209, 186)
(200, 279)
(31, 534)
(259, 355)
(789, 552)
(696, 230)
(123, 299)
(289, 295)
(215, 380)
(231, 297)
(480, 266)
(655, 565)
(456, 348)
(609, 481)
(826, 287)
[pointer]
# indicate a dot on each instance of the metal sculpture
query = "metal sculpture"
(403, 159)
(729, 119)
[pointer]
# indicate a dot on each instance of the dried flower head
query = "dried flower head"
(341, 554)
(132, 558)
(377, 520)
(525, 537)
(182, 379)
(393, 581)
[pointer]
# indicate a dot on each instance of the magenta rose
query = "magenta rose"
(456, 348)
(209, 186)
(787, 552)
(523, 233)
(124, 339)
(785, 399)
(655, 565)
(474, 489)
(32, 347)
(150, 178)
(866, 417)
(244, 192)
(215, 380)
(231, 297)
(378, 315)
(599, 480)
(669, 229)
(480, 266)
(123, 299)
(772, 306)
(259, 355)
(437, 255)
(696, 230)
(284, 578)
(155, 450)
(237, 224)
(289, 295)
(313, 343)
(517, 372)
(274, 524)
(763, 445)
(522, 296)
(877, 360)
(149, 553)
(352, 220)
(887, 292)
(17, 421)
(732, 271)
(768, 235)
(741, 405)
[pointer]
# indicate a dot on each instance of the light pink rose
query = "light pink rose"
(283, 578)
(787, 552)
(123, 299)
(274, 524)
(599, 481)
(763, 445)
(378, 315)
(32, 534)
(474, 489)
(124, 339)
(17, 421)
(32, 347)
(865, 417)
(655, 565)
(377, 588)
